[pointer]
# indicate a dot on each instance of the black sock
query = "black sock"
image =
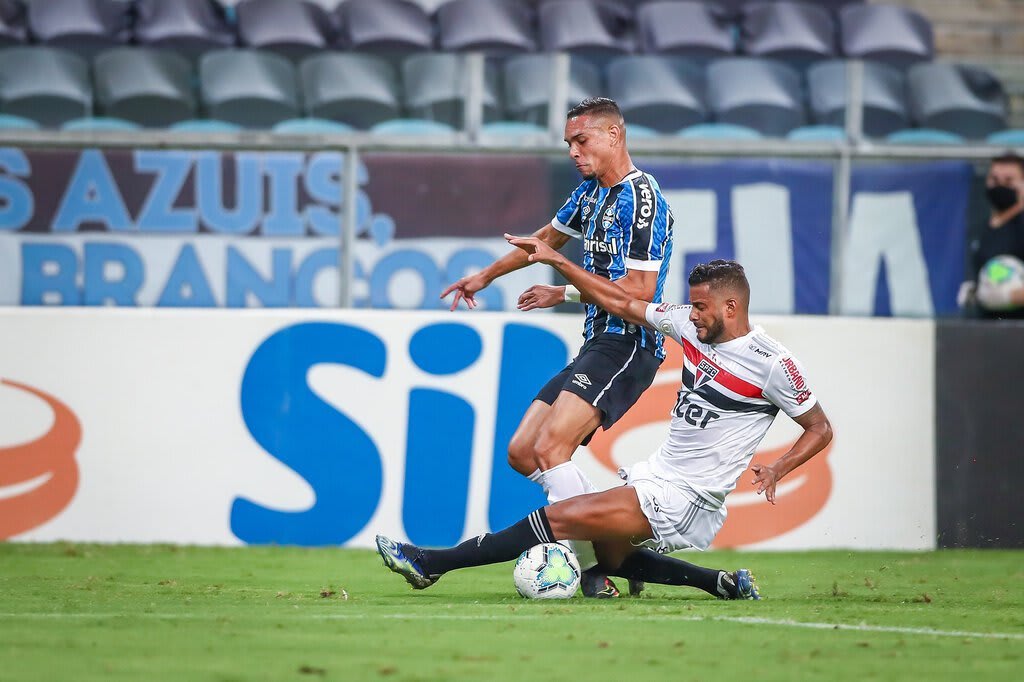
(652, 567)
(490, 548)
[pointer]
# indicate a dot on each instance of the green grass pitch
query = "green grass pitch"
(88, 612)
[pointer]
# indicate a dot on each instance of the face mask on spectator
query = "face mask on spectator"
(1001, 197)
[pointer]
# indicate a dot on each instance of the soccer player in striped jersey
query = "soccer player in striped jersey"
(735, 380)
(626, 228)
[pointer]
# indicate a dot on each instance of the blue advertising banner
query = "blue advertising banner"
(773, 216)
(243, 229)
(907, 235)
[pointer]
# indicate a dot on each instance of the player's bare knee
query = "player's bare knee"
(522, 457)
(550, 451)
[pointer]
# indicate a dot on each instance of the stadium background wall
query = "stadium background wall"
(980, 432)
(325, 427)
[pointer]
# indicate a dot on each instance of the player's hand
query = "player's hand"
(541, 296)
(465, 290)
(538, 251)
(765, 479)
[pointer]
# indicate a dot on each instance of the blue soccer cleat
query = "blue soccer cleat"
(738, 585)
(395, 558)
(746, 587)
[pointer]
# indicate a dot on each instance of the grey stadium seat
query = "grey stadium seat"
(885, 96)
(296, 28)
(13, 25)
(251, 88)
(758, 93)
(696, 29)
(528, 85)
(663, 93)
(384, 25)
(80, 24)
(496, 26)
(885, 33)
(46, 84)
(358, 89)
(436, 85)
(965, 100)
(787, 30)
(190, 26)
(583, 26)
(147, 86)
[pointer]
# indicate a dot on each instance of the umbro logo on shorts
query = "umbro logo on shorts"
(582, 380)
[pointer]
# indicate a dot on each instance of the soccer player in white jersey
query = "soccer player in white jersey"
(735, 380)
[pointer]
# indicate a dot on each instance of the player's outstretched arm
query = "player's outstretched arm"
(595, 289)
(817, 434)
(465, 289)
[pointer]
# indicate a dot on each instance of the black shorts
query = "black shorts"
(610, 372)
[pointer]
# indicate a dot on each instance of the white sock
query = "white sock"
(560, 483)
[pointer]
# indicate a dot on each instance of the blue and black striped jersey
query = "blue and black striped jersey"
(624, 227)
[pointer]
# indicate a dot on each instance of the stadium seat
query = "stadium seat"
(528, 85)
(719, 131)
(150, 87)
(436, 86)
(11, 122)
(311, 126)
(513, 132)
(46, 84)
(885, 33)
(411, 126)
(817, 134)
(787, 30)
(583, 26)
(756, 93)
(85, 25)
(296, 28)
(384, 26)
(205, 125)
(923, 136)
(253, 89)
(693, 29)
(188, 26)
(1013, 137)
(357, 89)
(964, 100)
(99, 123)
(495, 26)
(13, 25)
(663, 93)
(884, 95)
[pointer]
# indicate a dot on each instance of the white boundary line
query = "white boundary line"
(745, 620)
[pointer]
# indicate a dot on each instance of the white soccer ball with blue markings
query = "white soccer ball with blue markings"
(547, 571)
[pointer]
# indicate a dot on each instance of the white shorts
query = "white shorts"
(680, 518)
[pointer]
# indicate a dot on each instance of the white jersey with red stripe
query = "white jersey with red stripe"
(730, 395)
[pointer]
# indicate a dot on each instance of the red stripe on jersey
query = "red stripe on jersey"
(724, 378)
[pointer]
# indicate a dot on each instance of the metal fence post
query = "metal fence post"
(346, 258)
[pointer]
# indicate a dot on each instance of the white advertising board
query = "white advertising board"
(324, 428)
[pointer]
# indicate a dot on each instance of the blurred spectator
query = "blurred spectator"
(1004, 234)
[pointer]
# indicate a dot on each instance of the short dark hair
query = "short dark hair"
(1010, 157)
(721, 274)
(595, 105)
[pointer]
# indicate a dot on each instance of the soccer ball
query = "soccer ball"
(547, 571)
(997, 279)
